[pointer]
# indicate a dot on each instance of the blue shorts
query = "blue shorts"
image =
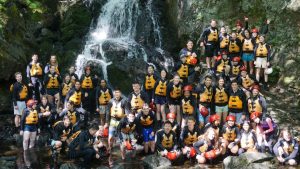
(247, 57)
(160, 99)
(30, 128)
(147, 134)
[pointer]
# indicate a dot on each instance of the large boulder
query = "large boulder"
(251, 160)
(154, 161)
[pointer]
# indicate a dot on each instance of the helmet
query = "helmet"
(219, 58)
(239, 23)
(230, 118)
(171, 116)
(243, 68)
(256, 87)
(152, 106)
(204, 111)
(269, 70)
(188, 88)
(214, 118)
(128, 145)
(171, 155)
(193, 61)
(192, 152)
(255, 115)
(224, 52)
(236, 59)
(254, 30)
(105, 132)
(30, 103)
(210, 154)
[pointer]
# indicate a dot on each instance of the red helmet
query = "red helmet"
(243, 68)
(210, 154)
(30, 103)
(105, 132)
(219, 58)
(204, 111)
(192, 152)
(214, 118)
(236, 59)
(254, 30)
(256, 87)
(188, 88)
(224, 52)
(239, 23)
(230, 118)
(171, 116)
(172, 155)
(128, 145)
(255, 115)
(152, 106)
(193, 61)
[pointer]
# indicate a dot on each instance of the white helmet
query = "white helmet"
(269, 70)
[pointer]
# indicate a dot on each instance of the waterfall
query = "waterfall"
(156, 27)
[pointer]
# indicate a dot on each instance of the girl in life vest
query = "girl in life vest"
(248, 139)
(103, 96)
(231, 135)
(66, 86)
(286, 148)
(188, 105)
(149, 81)
(248, 45)
(209, 147)
(171, 117)
(29, 124)
(174, 94)
(265, 130)
(48, 114)
(221, 96)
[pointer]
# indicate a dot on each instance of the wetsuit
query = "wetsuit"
(149, 83)
(87, 85)
(52, 83)
(166, 141)
(34, 74)
(188, 138)
(237, 104)
(137, 100)
(210, 38)
(174, 93)
(160, 91)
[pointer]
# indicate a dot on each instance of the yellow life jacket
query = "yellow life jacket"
(43, 110)
(32, 117)
(176, 92)
(248, 45)
(87, 83)
(224, 43)
(235, 70)
(221, 96)
(146, 121)
(53, 82)
(191, 138)
(262, 50)
(167, 142)
(137, 102)
(247, 82)
(104, 97)
(203, 148)
(222, 65)
(288, 148)
(247, 141)
(254, 105)
(72, 117)
(150, 82)
(66, 88)
(257, 39)
(235, 102)
(213, 36)
(206, 96)
(76, 98)
(161, 88)
(73, 136)
(128, 129)
(56, 123)
(233, 47)
(116, 110)
(183, 71)
(187, 107)
(36, 70)
(240, 36)
(230, 134)
(11, 88)
(24, 92)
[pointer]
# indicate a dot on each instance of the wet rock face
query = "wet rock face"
(154, 161)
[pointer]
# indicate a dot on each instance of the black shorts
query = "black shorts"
(52, 92)
(211, 50)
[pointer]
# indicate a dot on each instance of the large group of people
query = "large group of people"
(174, 114)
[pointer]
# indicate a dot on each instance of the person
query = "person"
(171, 117)
(265, 130)
(167, 143)
(174, 93)
(73, 115)
(83, 146)
(214, 123)
(246, 81)
(103, 96)
(189, 53)
(209, 147)
(248, 45)
(184, 70)
(248, 139)
(189, 135)
(188, 105)
(237, 102)
(137, 98)
(147, 127)
(210, 39)
(52, 62)
(234, 46)
(127, 129)
(52, 80)
(264, 30)
(66, 86)
(206, 96)
(231, 135)
(235, 68)
(223, 40)
(34, 74)
(262, 60)
(29, 124)
(149, 82)
(221, 95)
(48, 114)
(73, 75)
(240, 29)
(286, 148)
(257, 102)
(160, 96)
(20, 95)
(221, 64)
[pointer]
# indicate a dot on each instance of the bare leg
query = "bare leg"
(158, 110)
(177, 108)
(163, 112)
(17, 120)
(32, 139)
(257, 74)
(251, 64)
(26, 136)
